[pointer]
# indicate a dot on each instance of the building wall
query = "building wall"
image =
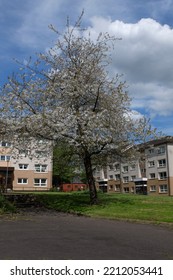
(153, 187)
(28, 178)
(154, 158)
(170, 159)
(125, 169)
(170, 166)
(156, 164)
(127, 172)
(171, 185)
(30, 175)
(119, 187)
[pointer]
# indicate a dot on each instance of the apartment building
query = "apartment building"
(151, 173)
(21, 172)
(159, 166)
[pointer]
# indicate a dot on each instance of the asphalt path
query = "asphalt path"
(58, 236)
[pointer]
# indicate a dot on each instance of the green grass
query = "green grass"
(155, 209)
(113, 206)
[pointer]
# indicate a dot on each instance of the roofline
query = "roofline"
(157, 142)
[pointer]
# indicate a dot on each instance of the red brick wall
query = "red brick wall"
(73, 187)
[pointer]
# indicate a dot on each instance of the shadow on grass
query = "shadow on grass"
(66, 202)
(80, 202)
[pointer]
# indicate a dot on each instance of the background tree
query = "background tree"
(68, 95)
(67, 166)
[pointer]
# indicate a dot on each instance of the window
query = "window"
(126, 190)
(117, 177)
(8, 158)
(132, 189)
(163, 188)
(153, 188)
(162, 175)
(126, 179)
(41, 168)
(162, 163)
(23, 166)
(133, 178)
(143, 170)
(4, 158)
(117, 188)
(161, 150)
(110, 187)
(111, 167)
(125, 169)
(151, 163)
(152, 176)
(5, 144)
(151, 151)
(111, 176)
(40, 182)
(117, 167)
(22, 181)
(132, 167)
(41, 153)
(23, 153)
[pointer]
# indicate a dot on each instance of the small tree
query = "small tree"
(67, 95)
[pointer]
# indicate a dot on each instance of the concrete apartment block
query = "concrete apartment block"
(20, 172)
(151, 173)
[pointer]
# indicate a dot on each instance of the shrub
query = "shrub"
(6, 206)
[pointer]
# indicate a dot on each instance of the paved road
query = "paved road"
(58, 236)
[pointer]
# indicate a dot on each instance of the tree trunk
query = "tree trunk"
(90, 178)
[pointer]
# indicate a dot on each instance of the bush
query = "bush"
(6, 206)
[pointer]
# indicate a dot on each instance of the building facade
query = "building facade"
(21, 172)
(151, 173)
(159, 166)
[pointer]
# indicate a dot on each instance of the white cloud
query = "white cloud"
(152, 98)
(144, 56)
(135, 115)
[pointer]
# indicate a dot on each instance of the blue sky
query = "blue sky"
(143, 56)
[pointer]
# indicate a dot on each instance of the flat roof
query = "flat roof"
(157, 142)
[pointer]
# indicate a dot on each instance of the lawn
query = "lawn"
(157, 209)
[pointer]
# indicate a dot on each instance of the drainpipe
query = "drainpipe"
(6, 178)
(121, 179)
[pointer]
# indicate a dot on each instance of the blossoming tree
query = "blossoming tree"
(67, 94)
